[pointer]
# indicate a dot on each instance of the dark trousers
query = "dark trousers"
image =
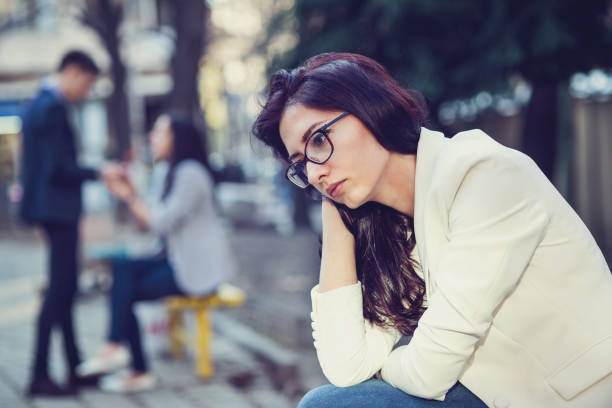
(56, 310)
(135, 280)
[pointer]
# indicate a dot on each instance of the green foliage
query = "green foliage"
(455, 48)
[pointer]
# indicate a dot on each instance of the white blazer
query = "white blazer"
(519, 295)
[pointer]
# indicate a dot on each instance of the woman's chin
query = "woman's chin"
(338, 200)
(349, 202)
(346, 198)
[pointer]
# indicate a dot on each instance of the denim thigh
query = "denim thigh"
(377, 393)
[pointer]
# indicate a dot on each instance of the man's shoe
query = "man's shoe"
(44, 386)
(76, 381)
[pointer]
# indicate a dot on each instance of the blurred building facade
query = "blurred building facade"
(36, 33)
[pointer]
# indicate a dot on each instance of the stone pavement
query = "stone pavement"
(277, 273)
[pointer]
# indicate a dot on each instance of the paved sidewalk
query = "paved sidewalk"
(242, 379)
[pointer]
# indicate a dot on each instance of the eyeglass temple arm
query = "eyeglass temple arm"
(334, 121)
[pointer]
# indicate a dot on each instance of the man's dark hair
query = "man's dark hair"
(80, 59)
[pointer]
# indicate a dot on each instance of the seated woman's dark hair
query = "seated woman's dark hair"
(189, 142)
(392, 291)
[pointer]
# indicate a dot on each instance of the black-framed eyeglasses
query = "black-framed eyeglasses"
(318, 149)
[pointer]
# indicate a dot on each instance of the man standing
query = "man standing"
(51, 180)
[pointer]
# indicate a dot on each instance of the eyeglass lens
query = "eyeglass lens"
(297, 174)
(318, 150)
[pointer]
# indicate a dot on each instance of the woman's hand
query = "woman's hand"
(333, 226)
(338, 250)
(121, 187)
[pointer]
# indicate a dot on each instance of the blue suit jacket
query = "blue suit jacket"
(51, 177)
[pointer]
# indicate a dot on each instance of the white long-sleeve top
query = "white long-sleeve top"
(350, 349)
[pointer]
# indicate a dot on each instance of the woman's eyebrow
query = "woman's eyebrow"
(305, 136)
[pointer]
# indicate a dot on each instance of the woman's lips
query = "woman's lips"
(335, 189)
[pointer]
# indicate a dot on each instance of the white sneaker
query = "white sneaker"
(127, 381)
(106, 360)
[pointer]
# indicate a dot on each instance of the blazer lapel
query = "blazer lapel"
(430, 143)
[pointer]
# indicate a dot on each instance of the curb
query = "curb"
(281, 363)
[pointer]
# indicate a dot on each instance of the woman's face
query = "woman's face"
(353, 171)
(161, 139)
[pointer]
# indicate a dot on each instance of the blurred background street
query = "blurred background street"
(277, 309)
(536, 76)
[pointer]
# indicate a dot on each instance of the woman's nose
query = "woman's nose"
(316, 172)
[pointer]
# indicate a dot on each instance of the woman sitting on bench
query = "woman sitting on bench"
(195, 259)
(461, 243)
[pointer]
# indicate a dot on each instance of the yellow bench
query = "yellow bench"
(226, 296)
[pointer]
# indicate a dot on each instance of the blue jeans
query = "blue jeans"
(135, 280)
(377, 393)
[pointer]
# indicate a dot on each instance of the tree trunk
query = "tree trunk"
(540, 128)
(105, 16)
(119, 110)
(189, 20)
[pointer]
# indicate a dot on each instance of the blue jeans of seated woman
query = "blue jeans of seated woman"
(379, 394)
(135, 280)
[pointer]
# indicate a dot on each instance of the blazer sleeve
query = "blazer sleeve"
(495, 224)
(62, 158)
(350, 349)
(189, 188)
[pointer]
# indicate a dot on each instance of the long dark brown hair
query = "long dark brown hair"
(392, 291)
(189, 143)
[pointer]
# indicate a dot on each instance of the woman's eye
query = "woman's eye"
(318, 139)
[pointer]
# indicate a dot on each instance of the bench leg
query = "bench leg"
(176, 333)
(204, 364)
